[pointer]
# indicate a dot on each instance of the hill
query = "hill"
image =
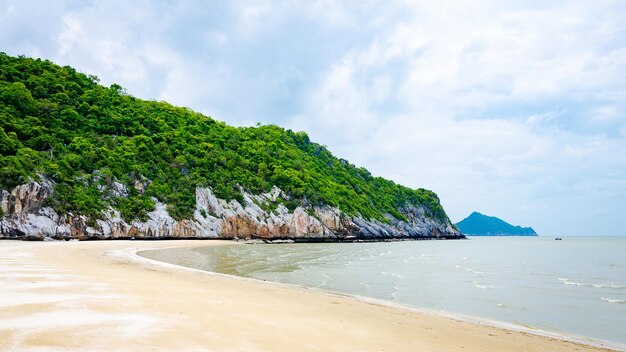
(477, 224)
(81, 160)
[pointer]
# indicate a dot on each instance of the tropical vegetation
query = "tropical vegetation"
(64, 125)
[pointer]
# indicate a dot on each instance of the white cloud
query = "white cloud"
(513, 109)
(460, 60)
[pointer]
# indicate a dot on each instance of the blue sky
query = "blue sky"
(515, 109)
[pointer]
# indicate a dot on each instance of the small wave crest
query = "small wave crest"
(609, 285)
(473, 271)
(481, 285)
(566, 281)
(397, 276)
(612, 300)
(612, 285)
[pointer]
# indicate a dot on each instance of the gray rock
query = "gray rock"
(26, 217)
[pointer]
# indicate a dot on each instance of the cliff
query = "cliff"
(80, 160)
(25, 216)
(477, 224)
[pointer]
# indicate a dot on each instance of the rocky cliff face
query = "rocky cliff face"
(24, 216)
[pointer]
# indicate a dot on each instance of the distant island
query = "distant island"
(477, 224)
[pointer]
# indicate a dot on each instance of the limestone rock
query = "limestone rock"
(26, 217)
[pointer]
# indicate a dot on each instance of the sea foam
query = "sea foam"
(611, 300)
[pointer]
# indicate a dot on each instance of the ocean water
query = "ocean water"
(576, 286)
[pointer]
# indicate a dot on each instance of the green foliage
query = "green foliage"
(134, 207)
(8, 143)
(62, 123)
(77, 198)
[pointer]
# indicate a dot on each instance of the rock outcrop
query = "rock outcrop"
(25, 216)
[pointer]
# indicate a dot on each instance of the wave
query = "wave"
(477, 272)
(474, 271)
(609, 285)
(612, 300)
(612, 285)
(482, 286)
(397, 276)
(566, 281)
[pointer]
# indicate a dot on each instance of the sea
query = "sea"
(575, 286)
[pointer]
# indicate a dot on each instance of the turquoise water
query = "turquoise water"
(574, 286)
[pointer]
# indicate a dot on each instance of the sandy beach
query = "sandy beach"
(101, 296)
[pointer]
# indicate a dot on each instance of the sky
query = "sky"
(515, 109)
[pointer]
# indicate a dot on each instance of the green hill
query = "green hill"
(63, 125)
(478, 224)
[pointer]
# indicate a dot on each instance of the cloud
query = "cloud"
(513, 109)
(483, 109)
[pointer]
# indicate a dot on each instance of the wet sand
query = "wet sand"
(101, 296)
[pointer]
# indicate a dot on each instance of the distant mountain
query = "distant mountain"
(478, 224)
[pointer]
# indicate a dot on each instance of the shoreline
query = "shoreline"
(250, 240)
(390, 304)
(77, 295)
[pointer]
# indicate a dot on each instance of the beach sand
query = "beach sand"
(100, 296)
